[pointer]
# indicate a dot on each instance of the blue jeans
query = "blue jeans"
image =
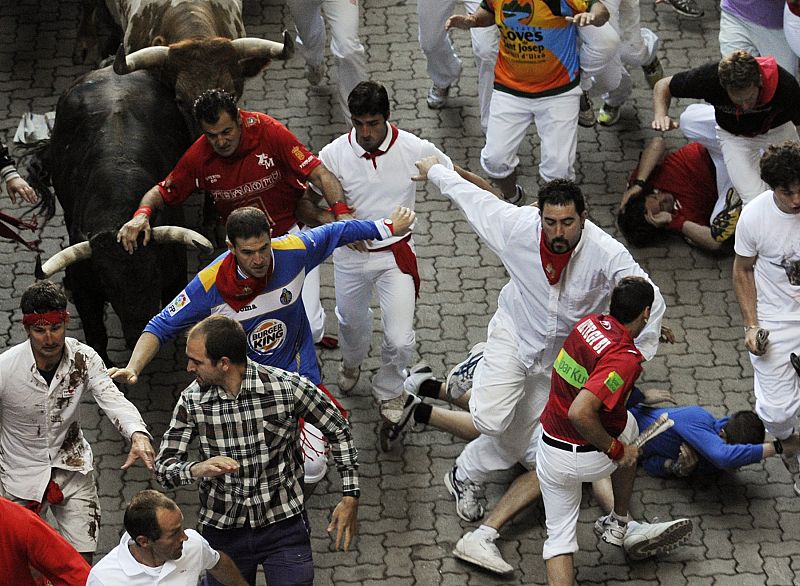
(284, 549)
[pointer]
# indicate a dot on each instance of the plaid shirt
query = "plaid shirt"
(259, 429)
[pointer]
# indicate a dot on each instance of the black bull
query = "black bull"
(114, 138)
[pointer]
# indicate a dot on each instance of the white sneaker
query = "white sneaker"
(643, 540)
(477, 549)
(417, 375)
(315, 73)
(348, 377)
(467, 495)
(611, 530)
(437, 97)
(459, 379)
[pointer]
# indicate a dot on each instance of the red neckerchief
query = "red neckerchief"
(371, 156)
(552, 263)
(769, 79)
(235, 291)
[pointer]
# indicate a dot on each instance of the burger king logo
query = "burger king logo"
(267, 336)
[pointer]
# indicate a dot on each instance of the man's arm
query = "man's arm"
(652, 156)
(308, 211)
(744, 284)
(478, 181)
(700, 236)
(226, 571)
(584, 415)
(129, 233)
(172, 468)
(597, 16)
(147, 346)
(330, 187)
(661, 101)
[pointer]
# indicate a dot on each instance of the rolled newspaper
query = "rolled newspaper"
(660, 425)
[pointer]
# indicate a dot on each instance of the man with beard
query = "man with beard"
(250, 466)
(562, 268)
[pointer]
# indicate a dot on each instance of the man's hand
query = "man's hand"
(129, 233)
(19, 187)
(666, 335)
(752, 343)
(581, 19)
(123, 375)
(460, 21)
(653, 396)
(213, 467)
(664, 123)
(658, 220)
(424, 165)
(630, 456)
(402, 220)
(687, 461)
(345, 521)
(141, 449)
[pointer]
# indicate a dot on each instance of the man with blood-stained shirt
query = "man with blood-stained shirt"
(45, 461)
(246, 159)
(586, 431)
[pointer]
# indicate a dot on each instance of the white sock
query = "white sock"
(489, 533)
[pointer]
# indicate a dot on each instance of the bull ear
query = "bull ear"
(158, 41)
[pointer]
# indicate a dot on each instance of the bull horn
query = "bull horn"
(61, 260)
(167, 234)
(251, 47)
(147, 58)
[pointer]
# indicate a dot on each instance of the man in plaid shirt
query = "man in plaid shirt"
(251, 462)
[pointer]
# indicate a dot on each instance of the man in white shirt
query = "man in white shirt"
(562, 268)
(44, 459)
(374, 162)
(766, 278)
(161, 553)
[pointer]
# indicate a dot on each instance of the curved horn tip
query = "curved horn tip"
(204, 247)
(288, 45)
(121, 61)
(37, 270)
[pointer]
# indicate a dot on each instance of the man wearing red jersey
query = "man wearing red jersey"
(245, 159)
(587, 432)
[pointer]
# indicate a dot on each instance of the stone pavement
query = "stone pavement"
(747, 525)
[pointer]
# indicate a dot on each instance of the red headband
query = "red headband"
(50, 318)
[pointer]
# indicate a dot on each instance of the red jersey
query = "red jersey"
(26, 540)
(599, 356)
(690, 176)
(268, 171)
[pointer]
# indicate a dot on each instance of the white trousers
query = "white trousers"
(698, 124)
(791, 30)
(776, 384)
(743, 153)
(357, 274)
(561, 476)
(444, 66)
(507, 399)
(556, 119)
(342, 17)
(737, 34)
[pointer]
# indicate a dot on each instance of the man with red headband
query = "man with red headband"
(44, 459)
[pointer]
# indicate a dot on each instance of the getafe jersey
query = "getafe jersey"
(275, 321)
(538, 47)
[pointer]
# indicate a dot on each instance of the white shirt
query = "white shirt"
(773, 236)
(541, 314)
(40, 423)
(119, 567)
(375, 190)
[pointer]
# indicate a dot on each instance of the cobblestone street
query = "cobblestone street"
(747, 524)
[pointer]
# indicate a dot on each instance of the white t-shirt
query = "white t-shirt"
(119, 566)
(769, 234)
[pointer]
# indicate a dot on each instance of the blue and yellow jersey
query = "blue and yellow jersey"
(275, 321)
(538, 46)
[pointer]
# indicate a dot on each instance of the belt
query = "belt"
(551, 441)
